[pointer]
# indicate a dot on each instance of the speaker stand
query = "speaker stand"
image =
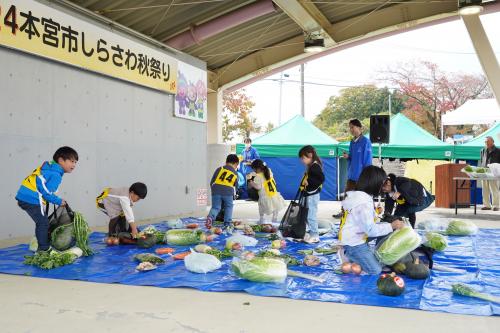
(380, 164)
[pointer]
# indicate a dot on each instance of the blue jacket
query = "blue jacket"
(360, 156)
(224, 190)
(47, 184)
(248, 157)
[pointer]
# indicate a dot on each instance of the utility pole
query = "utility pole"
(302, 102)
(282, 75)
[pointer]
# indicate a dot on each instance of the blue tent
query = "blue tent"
(279, 149)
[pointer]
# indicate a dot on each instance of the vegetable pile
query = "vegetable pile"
(149, 257)
(287, 259)
(397, 245)
(51, 259)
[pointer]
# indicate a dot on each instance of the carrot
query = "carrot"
(164, 250)
(181, 256)
(192, 226)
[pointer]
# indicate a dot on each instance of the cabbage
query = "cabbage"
(184, 237)
(436, 241)
(397, 245)
(461, 228)
(62, 238)
(260, 269)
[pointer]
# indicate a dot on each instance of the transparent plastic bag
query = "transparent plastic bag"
(434, 225)
(201, 262)
(397, 245)
(243, 240)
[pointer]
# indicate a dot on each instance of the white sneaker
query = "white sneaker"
(311, 239)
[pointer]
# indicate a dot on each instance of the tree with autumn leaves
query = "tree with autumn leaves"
(430, 92)
(420, 90)
(237, 116)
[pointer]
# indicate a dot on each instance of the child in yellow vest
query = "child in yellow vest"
(117, 204)
(222, 186)
(359, 224)
(39, 189)
(270, 200)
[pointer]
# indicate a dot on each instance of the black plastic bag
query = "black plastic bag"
(294, 222)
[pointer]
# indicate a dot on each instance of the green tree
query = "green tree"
(237, 116)
(356, 102)
(269, 127)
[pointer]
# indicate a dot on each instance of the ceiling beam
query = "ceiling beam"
(319, 17)
(357, 30)
(308, 17)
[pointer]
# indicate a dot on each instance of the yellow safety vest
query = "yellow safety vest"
(30, 181)
(342, 222)
(270, 187)
(226, 177)
(304, 178)
(101, 197)
(302, 186)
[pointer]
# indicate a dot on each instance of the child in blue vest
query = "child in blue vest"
(38, 190)
(222, 185)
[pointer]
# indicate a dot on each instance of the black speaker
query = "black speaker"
(380, 128)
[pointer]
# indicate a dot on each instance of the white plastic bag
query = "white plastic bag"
(243, 240)
(201, 262)
(174, 224)
(494, 169)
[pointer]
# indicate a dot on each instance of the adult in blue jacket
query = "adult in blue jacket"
(249, 154)
(360, 154)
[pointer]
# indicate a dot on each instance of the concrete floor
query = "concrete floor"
(42, 305)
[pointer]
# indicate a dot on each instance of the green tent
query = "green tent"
(471, 150)
(408, 140)
(286, 140)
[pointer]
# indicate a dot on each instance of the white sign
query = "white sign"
(202, 197)
(191, 98)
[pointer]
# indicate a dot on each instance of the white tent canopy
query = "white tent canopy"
(473, 112)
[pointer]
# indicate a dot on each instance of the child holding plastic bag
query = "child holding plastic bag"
(311, 185)
(358, 222)
(270, 200)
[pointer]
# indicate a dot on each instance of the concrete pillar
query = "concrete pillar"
(214, 121)
(484, 52)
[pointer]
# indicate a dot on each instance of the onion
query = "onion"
(356, 268)
(346, 268)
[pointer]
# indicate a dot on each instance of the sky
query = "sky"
(447, 45)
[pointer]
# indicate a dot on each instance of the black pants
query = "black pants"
(118, 224)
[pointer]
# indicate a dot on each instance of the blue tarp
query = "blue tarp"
(288, 172)
(477, 255)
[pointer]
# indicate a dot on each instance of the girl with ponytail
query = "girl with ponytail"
(270, 200)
